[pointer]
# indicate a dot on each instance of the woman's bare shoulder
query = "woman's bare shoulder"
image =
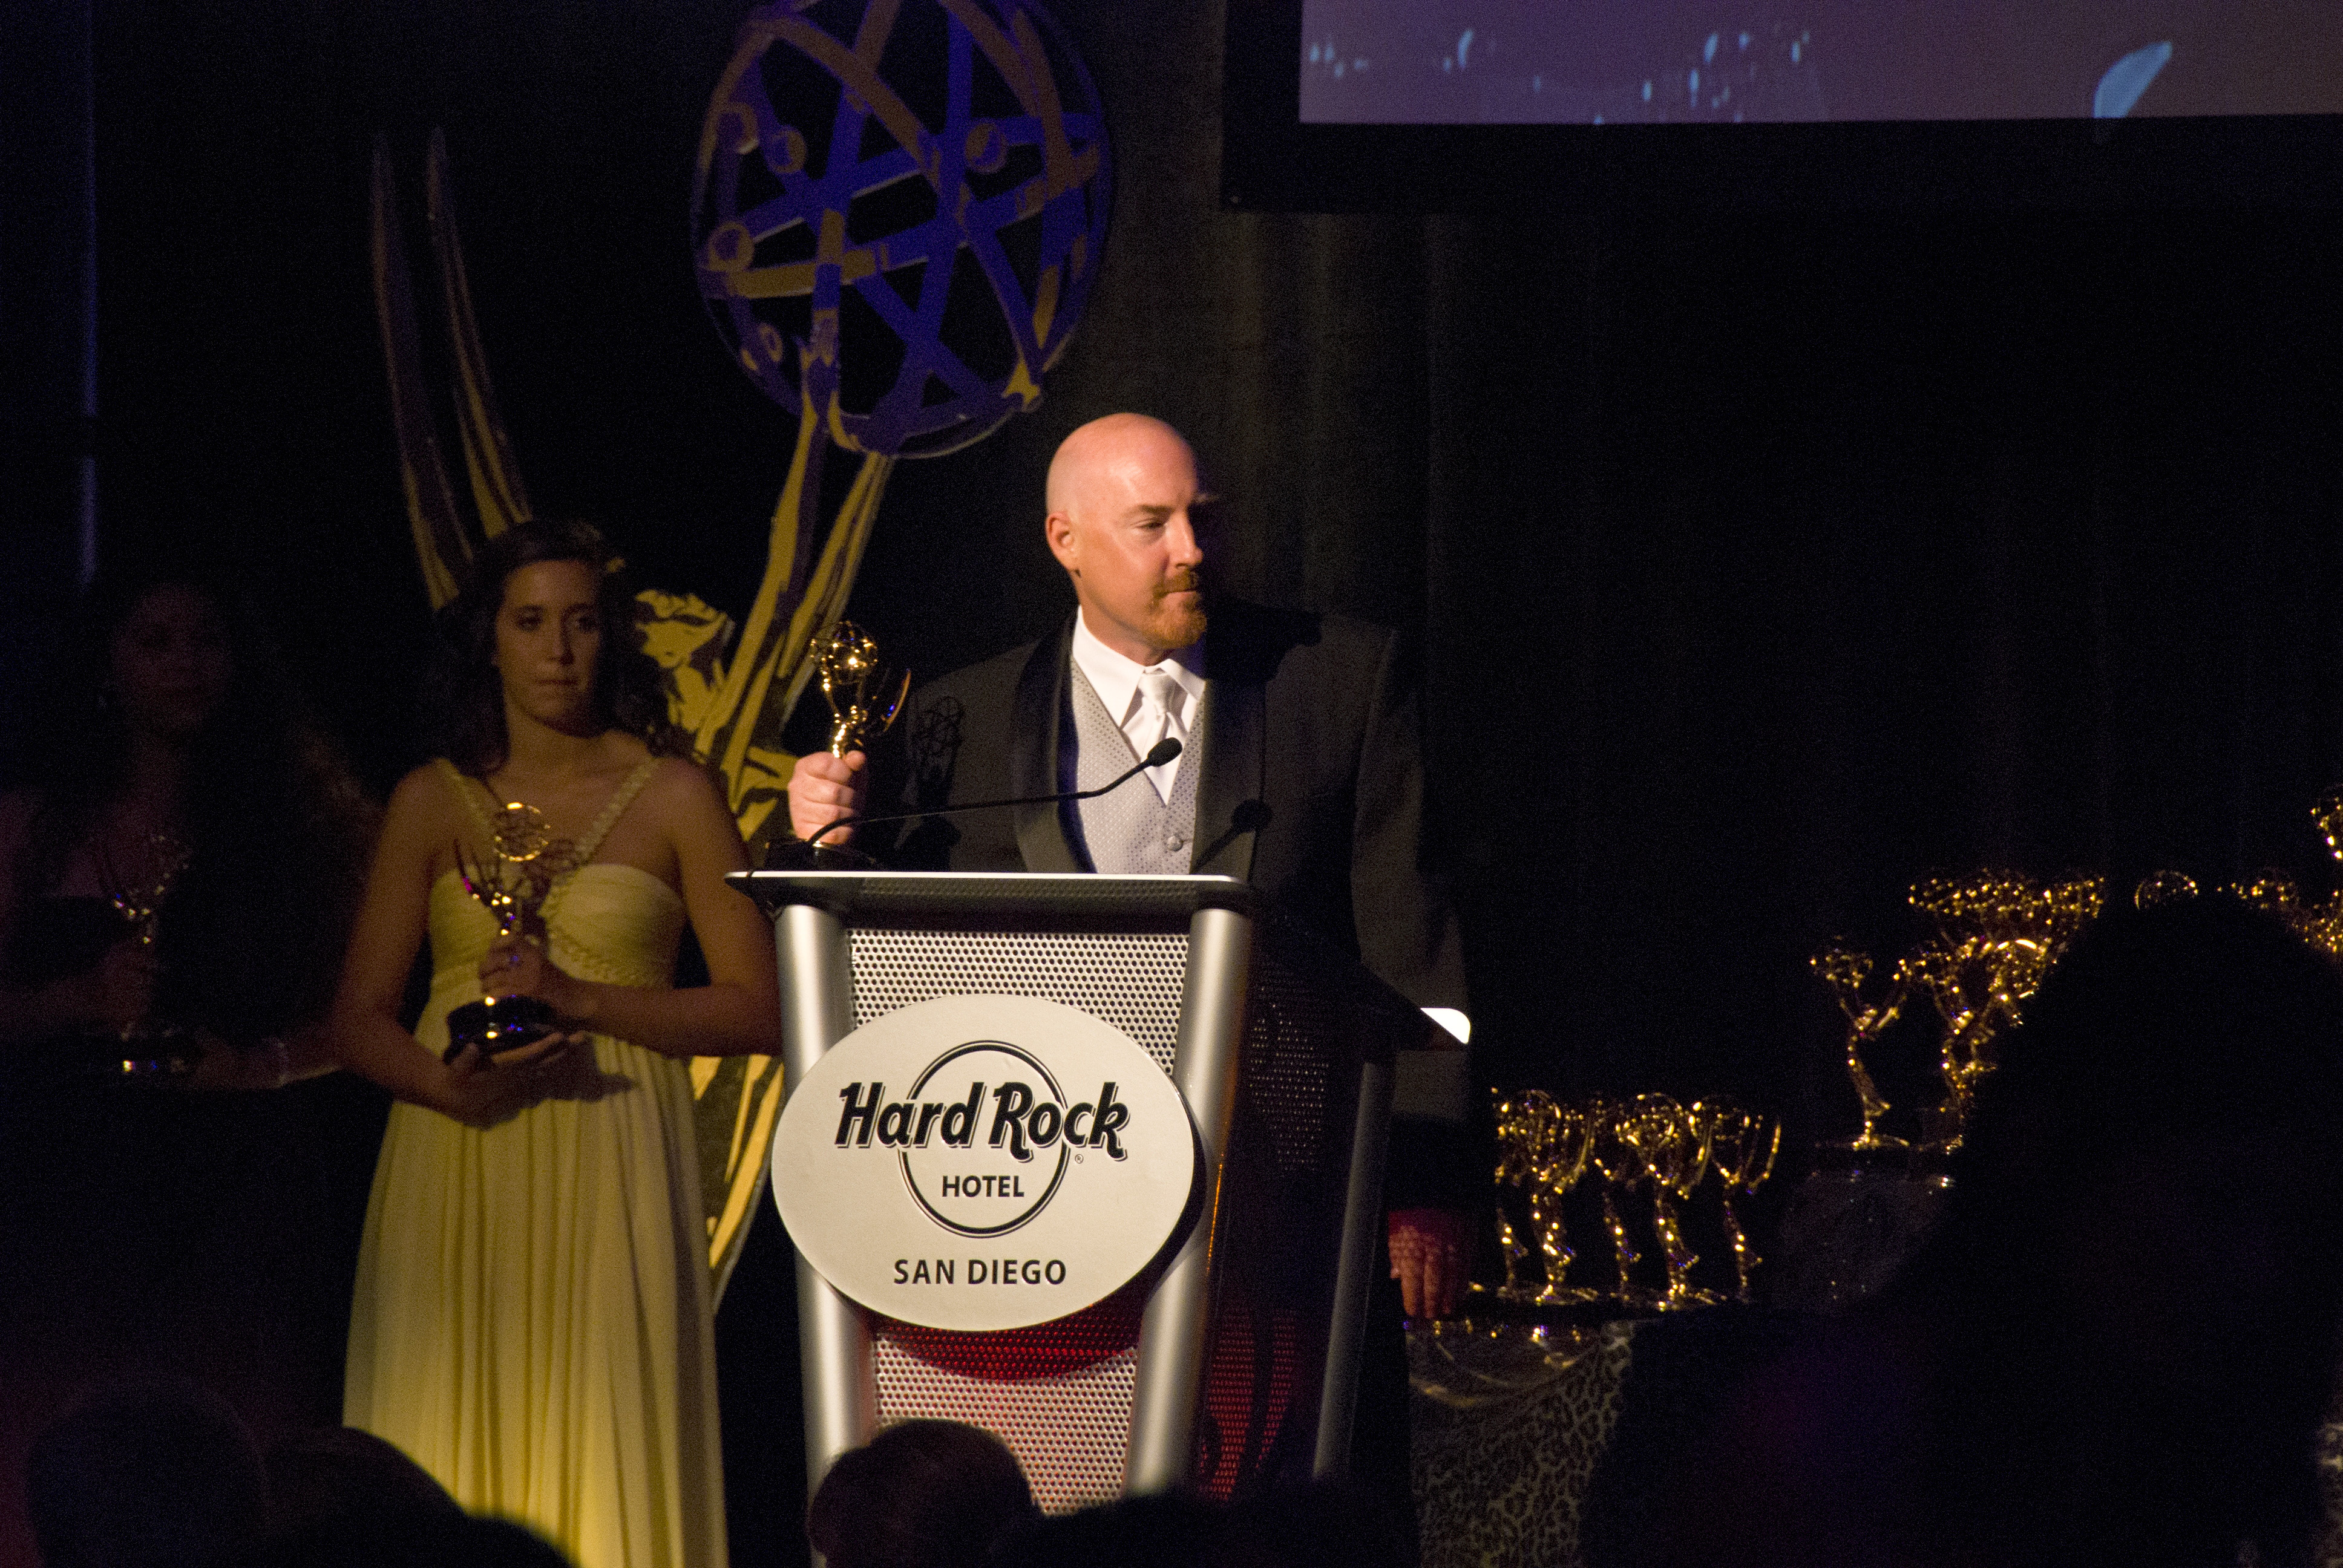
(425, 797)
(680, 773)
(685, 784)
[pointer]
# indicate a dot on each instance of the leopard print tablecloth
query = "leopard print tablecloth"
(1505, 1482)
(1500, 1483)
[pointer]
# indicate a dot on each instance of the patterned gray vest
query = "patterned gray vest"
(1132, 831)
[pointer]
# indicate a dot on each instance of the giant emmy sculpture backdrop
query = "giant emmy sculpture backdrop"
(899, 211)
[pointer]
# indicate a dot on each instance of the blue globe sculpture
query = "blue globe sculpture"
(899, 212)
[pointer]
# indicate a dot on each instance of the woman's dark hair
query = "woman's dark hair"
(278, 829)
(463, 699)
(921, 1494)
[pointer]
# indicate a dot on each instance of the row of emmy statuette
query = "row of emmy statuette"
(1996, 935)
(1653, 1144)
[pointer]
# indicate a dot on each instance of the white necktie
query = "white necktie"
(1159, 716)
(1159, 695)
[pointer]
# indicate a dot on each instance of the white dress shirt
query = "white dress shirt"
(1115, 677)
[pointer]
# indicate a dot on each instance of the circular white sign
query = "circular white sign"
(982, 1163)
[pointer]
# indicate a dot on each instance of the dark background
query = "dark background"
(1761, 563)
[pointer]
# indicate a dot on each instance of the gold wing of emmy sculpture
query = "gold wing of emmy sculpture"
(729, 686)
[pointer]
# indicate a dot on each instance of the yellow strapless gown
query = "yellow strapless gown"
(532, 1321)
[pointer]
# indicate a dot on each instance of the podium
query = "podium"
(1232, 1360)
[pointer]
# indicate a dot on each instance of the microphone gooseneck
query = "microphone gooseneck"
(1162, 752)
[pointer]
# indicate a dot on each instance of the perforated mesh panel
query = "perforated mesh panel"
(1070, 1429)
(1249, 1388)
(1292, 1040)
(1060, 1394)
(1284, 1184)
(1070, 1432)
(1130, 981)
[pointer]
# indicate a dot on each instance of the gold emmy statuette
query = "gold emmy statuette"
(1541, 1148)
(1845, 971)
(1673, 1148)
(1618, 1165)
(152, 1047)
(2326, 816)
(1559, 1160)
(512, 886)
(2319, 923)
(1516, 1136)
(864, 696)
(1998, 935)
(140, 903)
(1742, 1148)
(2273, 891)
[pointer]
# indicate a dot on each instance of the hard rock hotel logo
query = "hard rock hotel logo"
(969, 1143)
(989, 1153)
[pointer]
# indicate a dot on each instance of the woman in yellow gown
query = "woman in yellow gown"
(532, 1320)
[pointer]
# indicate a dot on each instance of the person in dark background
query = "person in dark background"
(147, 1227)
(178, 756)
(921, 1494)
(2118, 1346)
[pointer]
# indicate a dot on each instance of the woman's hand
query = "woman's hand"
(515, 966)
(480, 1092)
(126, 975)
(115, 996)
(222, 1067)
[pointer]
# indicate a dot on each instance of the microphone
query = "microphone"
(1162, 752)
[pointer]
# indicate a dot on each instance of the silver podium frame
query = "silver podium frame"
(813, 915)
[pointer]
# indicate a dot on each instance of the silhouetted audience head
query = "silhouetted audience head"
(341, 1496)
(458, 1540)
(151, 1475)
(1329, 1525)
(2118, 1346)
(921, 1494)
(338, 1479)
(480, 1543)
(2154, 1188)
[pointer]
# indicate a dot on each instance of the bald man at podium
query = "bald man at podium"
(1299, 771)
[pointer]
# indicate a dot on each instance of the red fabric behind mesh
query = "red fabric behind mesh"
(1241, 1417)
(1045, 1350)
